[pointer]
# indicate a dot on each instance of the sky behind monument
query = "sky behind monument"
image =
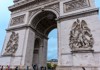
(4, 21)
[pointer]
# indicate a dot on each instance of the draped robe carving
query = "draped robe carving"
(12, 44)
(80, 36)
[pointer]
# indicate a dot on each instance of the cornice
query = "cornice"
(26, 27)
(21, 4)
(26, 3)
(77, 14)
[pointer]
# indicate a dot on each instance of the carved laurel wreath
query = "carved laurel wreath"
(12, 44)
(80, 36)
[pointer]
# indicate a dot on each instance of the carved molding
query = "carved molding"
(32, 12)
(75, 5)
(12, 44)
(54, 7)
(86, 13)
(33, 5)
(17, 20)
(80, 36)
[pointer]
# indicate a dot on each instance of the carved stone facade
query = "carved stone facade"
(80, 36)
(12, 45)
(75, 5)
(28, 7)
(32, 21)
(32, 12)
(54, 7)
(17, 20)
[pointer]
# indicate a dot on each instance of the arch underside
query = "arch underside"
(44, 22)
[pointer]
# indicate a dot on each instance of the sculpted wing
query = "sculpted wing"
(74, 25)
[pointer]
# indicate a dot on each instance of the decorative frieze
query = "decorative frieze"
(17, 20)
(54, 7)
(33, 5)
(75, 5)
(86, 13)
(80, 36)
(12, 45)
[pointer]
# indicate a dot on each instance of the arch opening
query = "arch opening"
(52, 45)
(44, 23)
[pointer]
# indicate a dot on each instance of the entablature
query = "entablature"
(18, 4)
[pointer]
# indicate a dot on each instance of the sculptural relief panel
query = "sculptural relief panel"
(17, 20)
(80, 36)
(12, 44)
(75, 5)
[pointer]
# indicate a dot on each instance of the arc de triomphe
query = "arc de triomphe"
(31, 21)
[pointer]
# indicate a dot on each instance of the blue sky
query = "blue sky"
(4, 21)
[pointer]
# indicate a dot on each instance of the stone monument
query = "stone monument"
(31, 21)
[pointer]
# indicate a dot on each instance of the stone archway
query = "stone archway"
(43, 23)
(32, 19)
